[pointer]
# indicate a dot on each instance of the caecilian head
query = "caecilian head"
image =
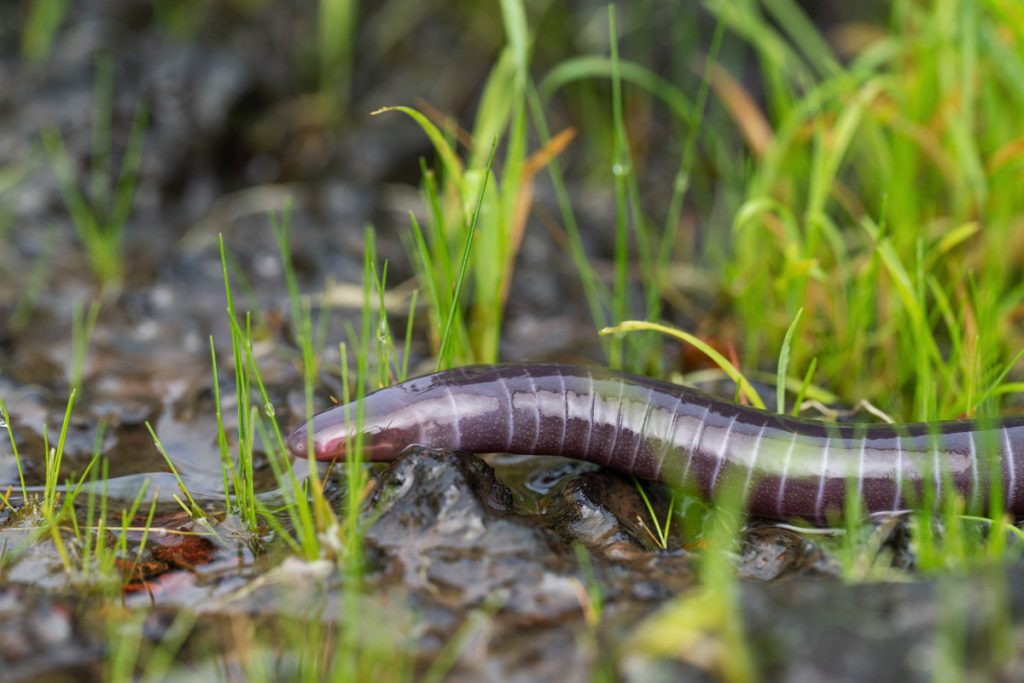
(385, 432)
(426, 410)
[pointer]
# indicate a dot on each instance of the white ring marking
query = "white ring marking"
(782, 479)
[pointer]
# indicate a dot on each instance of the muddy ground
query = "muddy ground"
(230, 135)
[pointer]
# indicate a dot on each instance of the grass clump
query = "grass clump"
(477, 206)
(881, 208)
(95, 554)
(298, 511)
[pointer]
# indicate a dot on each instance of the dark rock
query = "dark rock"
(604, 511)
(31, 624)
(447, 523)
(818, 629)
(770, 552)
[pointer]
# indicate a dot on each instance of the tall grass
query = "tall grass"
(457, 196)
(638, 239)
(100, 203)
(876, 196)
(478, 204)
(883, 204)
(883, 208)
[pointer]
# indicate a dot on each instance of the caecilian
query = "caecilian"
(782, 467)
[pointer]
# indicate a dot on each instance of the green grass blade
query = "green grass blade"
(452, 165)
(780, 385)
(444, 356)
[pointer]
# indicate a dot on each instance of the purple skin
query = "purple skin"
(783, 467)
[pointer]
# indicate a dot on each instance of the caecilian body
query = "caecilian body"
(783, 467)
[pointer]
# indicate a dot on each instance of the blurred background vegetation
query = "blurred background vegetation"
(520, 174)
(734, 163)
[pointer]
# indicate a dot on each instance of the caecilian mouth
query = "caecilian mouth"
(332, 449)
(298, 444)
(377, 452)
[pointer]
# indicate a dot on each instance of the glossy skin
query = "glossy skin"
(782, 467)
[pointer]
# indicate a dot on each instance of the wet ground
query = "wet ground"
(486, 554)
(449, 539)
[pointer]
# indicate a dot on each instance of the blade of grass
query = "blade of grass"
(780, 383)
(14, 449)
(444, 356)
(721, 361)
(193, 508)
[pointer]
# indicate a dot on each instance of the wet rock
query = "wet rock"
(526, 655)
(819, 629)
(815, 629)
(649, 580)
(770, 552)
(42, 639)
(605, 511)
(897, 541)
(29, 557)
(124, 411)
(447, 527)
(531, 476)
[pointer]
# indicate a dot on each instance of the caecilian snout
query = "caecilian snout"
(327, 443)
(298, 442)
